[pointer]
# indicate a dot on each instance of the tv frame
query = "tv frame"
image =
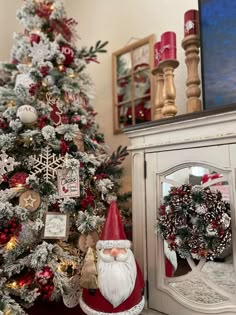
(204, 66)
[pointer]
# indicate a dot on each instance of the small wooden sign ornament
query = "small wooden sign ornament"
(87, 240)
(56, 226)
(68, 183)
(30, 200)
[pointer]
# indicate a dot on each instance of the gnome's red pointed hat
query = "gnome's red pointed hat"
(113, 234)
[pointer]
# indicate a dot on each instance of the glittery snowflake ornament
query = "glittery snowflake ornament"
(40, 52)
(7, 163)
(46, 163)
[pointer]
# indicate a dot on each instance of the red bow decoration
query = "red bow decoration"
(44, 10)
(65, 27)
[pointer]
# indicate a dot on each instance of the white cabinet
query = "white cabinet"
(169, 152)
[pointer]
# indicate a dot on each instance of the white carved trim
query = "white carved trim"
(135, 310)
(215, 287)
(111, 244)
(138, 213)
(186, 164)
(201, 131)
(193, 307)
(189, 275)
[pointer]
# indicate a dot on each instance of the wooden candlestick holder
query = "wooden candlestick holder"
(191, 44)
(169, 92)
(159, 100)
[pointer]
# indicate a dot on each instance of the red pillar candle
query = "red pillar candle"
(168, 45)
(191, 22)
(157, 53)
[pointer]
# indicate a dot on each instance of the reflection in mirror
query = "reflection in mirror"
(174, 265)
(142, 110)
(124, 90)
(180, 176)
(125, 115)
(195, 289)
(124, 65)
(221, 271)
(165, 188)
(215, 273)
(141, 57)
(141, 84)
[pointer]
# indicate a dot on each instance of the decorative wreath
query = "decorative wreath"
(195, 222)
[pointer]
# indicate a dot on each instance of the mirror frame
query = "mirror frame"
(149, 41)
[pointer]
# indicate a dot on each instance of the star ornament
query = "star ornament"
(29, 201)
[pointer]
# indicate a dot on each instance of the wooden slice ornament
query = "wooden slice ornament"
(87, 240)
(79, 141)
(30, 200)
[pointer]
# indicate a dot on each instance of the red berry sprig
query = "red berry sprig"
(9, 229)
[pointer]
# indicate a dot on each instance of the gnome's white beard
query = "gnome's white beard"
(116, 278)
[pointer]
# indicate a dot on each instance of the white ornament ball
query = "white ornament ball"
(27, 114)
(49, 80)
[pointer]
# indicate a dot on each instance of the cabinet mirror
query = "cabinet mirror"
(203, 199)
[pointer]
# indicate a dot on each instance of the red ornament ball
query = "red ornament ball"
(34, 38)
(44, 276)
(18, 179)
(69, 54)
(26, 279)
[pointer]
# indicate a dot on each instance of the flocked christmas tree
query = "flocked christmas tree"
(57, 176)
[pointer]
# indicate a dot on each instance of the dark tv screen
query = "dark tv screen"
(218, 52)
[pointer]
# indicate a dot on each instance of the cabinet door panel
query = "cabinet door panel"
(216, 155)
(167, 292)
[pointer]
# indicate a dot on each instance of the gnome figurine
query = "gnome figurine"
(120, 280)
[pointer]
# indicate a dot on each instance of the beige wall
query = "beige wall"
(8, 25)
(117, 21)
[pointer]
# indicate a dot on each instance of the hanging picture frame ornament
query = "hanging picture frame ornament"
(68, 183)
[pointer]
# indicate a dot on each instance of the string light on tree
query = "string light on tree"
(12, 243)
(61, 68)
